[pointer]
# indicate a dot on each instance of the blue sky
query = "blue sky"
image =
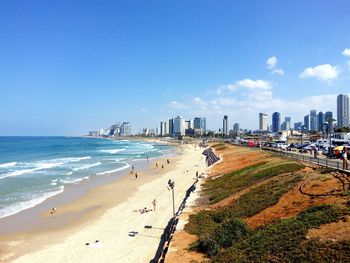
(67, 67)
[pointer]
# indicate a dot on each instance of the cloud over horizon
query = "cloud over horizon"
(325, 72)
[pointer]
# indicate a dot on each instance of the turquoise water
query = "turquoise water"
(33, 169)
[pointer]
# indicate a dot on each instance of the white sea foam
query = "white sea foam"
(72, 180)
(115, 170)
(44, 165)
(112, 151)
(35, 200)
(87, 166)
(8, 165)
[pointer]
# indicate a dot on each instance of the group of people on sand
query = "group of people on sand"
(145, 209)
(133, 171)
(168, 162)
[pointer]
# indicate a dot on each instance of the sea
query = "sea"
(32, 169)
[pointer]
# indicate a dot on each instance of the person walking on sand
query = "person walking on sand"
(196, 174)
(135, 175)
(157, 165)
(154, 203)
(345, 160)
(147, 159)
(167, 160)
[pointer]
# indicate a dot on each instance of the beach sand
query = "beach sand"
(108, 214)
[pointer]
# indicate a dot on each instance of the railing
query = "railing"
(330, 163)
(169, 230)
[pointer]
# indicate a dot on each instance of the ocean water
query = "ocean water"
(33, 169)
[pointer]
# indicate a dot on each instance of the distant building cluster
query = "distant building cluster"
(313, 121)
(116, 130)
(178, 126)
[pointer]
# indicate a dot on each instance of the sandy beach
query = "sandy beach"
(106, 215)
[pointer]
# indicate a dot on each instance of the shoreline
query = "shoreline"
(88, 209)
(74, 190)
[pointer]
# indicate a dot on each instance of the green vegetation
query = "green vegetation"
(228, 184)
(224, 237)
(205, 222)
(285, 241)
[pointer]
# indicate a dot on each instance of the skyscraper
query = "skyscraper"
(276, 122)
(287, 121)
(125, 129)
(313, 120)
(342, 110)
(179, 126)
(306, 122)
(236, 127)
(225, 130)
(200, 124)
(171, 127)
(262, 121)
(320, 120)
(162, 128)
(328, 117)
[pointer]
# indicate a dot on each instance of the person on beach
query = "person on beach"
(167, 160)
(345, 160)
(162, 166)
(157, 165)
(147, 159)
(53, 210)
(135, 175)
(154, 203)
(196, 174)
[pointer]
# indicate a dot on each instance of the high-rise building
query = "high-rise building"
(236, 127)
(287, 121)
(125, 129)
(162, 128)
(306, 123)
(276, 122)
(328, 117)
(320, 121)
(343, 111)
(313, 120)
(171, 127)
(200, 124)
(225, 130)
(298, 126)
(262, 121)
(179, 126)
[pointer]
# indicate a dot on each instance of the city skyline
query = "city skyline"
(64, 72)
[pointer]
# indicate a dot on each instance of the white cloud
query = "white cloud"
(254, 84)
(271, 62)
(346, 52)
(199, 101)
(324, 72)
(176, 105)
(278, 71)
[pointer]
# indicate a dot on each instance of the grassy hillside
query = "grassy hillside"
(223, 235)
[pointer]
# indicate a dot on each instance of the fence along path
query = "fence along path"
(335, 163)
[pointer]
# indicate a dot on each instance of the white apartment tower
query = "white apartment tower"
(179, 126)
(262, 121)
